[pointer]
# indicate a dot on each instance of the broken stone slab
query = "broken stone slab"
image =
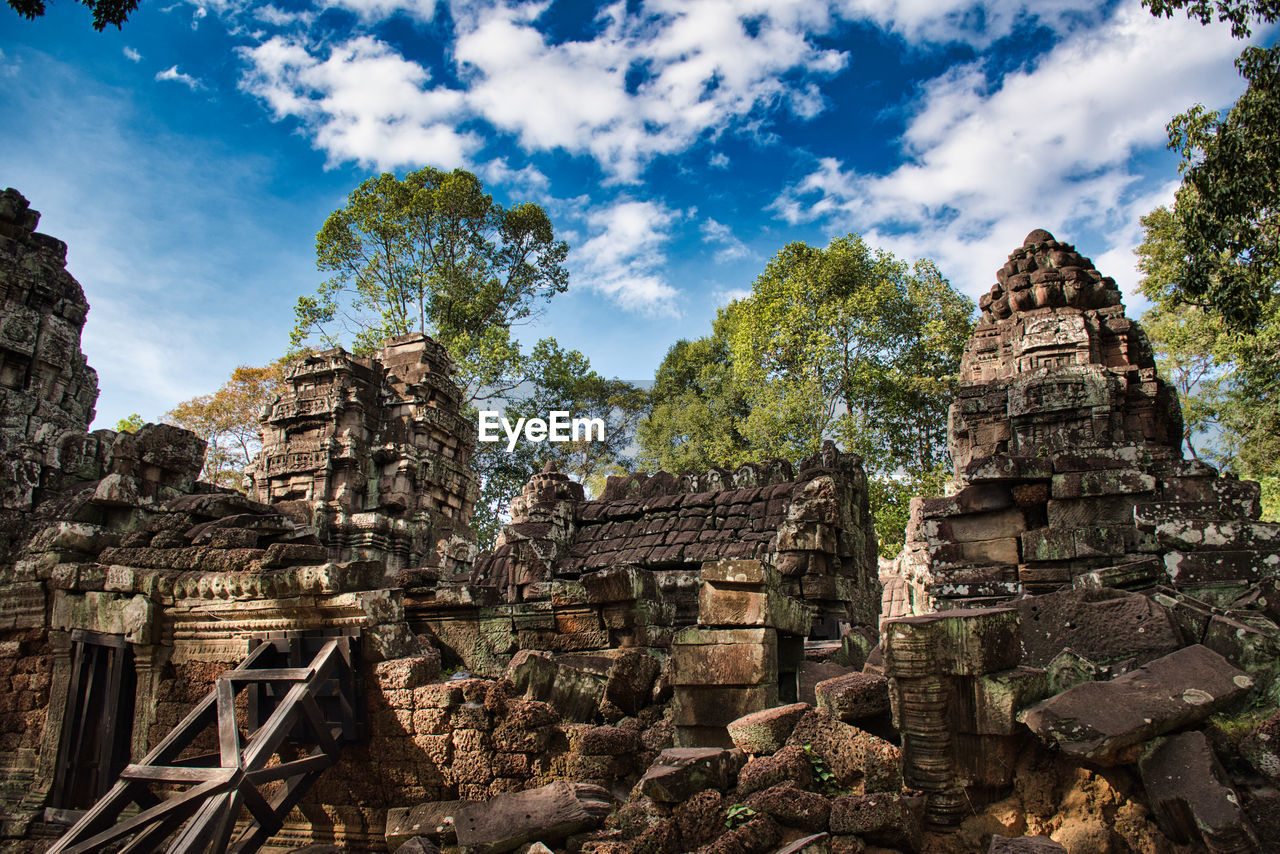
(1262, 748)
(1247, 639)
(548, 813)
(766, 731)
(1190, 796)
(1024, 845)
(681, 772)
(858, 759)
(886, 818)
(1104, 722)
(1099, 624)
(1139, 574)
(853, 696)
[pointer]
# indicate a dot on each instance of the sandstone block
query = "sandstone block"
(1102, 625)
(884, 818)
(681, 772)
(1103, 721)
(766, 731)
(1190, 796)
(1024, 845)
(792, 807)
(858, 759)
(966, 642)
(853, 696)
(548, 814)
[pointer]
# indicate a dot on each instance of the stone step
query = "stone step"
(1206, 567)
(1197, 534)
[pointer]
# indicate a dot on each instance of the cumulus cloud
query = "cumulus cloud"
(650, 82)
(1052, 147)
(172, 73)
(976, 23)
(363, 101)
(131, 54)
(719, 234)
(625, 254)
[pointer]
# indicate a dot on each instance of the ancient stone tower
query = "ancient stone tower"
(47, 390)
(1067, 457)
(373, 451)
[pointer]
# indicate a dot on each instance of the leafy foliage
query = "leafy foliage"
(845, 342)
(1228, 208)
(434, 253)
(1228, 379)
(823, 777)
(228, 420)
(1239, 14)
(738, 815)
(113, 12)
(131, 423)
(557, 379)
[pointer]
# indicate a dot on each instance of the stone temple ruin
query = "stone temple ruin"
(1077, 649)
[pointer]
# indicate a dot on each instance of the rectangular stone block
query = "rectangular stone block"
(716, 706)
(1049, 544)
(1079, 512)
(997, 698)
(974, 527)
(740, 572)
(1089, 484)
(969, 642)
(724, 657)
(1193, 535)
(1207, 567)
(1000, 468)
(975, 498)
(950, 555)
(721, 606)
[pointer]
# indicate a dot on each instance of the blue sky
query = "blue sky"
(189, 159)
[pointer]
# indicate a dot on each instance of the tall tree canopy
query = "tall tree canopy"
(1228, 378)
(1228, 207)
(1211, 264)
(434, 253)
(843, 342)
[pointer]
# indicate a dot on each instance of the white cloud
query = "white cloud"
(172, 73)
(976, 23)
(1051, 147)
(277, 17)
(197, 16)
(717, 233)
(527, 182)
(649, 82)
(381, 10)
(131, 54)
(624, 255)
(718, 160)
(363, 102)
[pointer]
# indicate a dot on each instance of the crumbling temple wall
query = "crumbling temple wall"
(1080, 585)
(1066, 445)
(659, 574)
(373, 451)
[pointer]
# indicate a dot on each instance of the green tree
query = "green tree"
(696, 406)
(851, 343)
(228, 420)
(434, 253)
(557, 380)
(131, 423)
(1239, 13)
(105, 12)
(1228, 379)
(846, 343)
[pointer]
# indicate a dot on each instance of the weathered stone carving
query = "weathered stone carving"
(373, 451)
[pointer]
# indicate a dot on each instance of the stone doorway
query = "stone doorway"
(97, 726)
